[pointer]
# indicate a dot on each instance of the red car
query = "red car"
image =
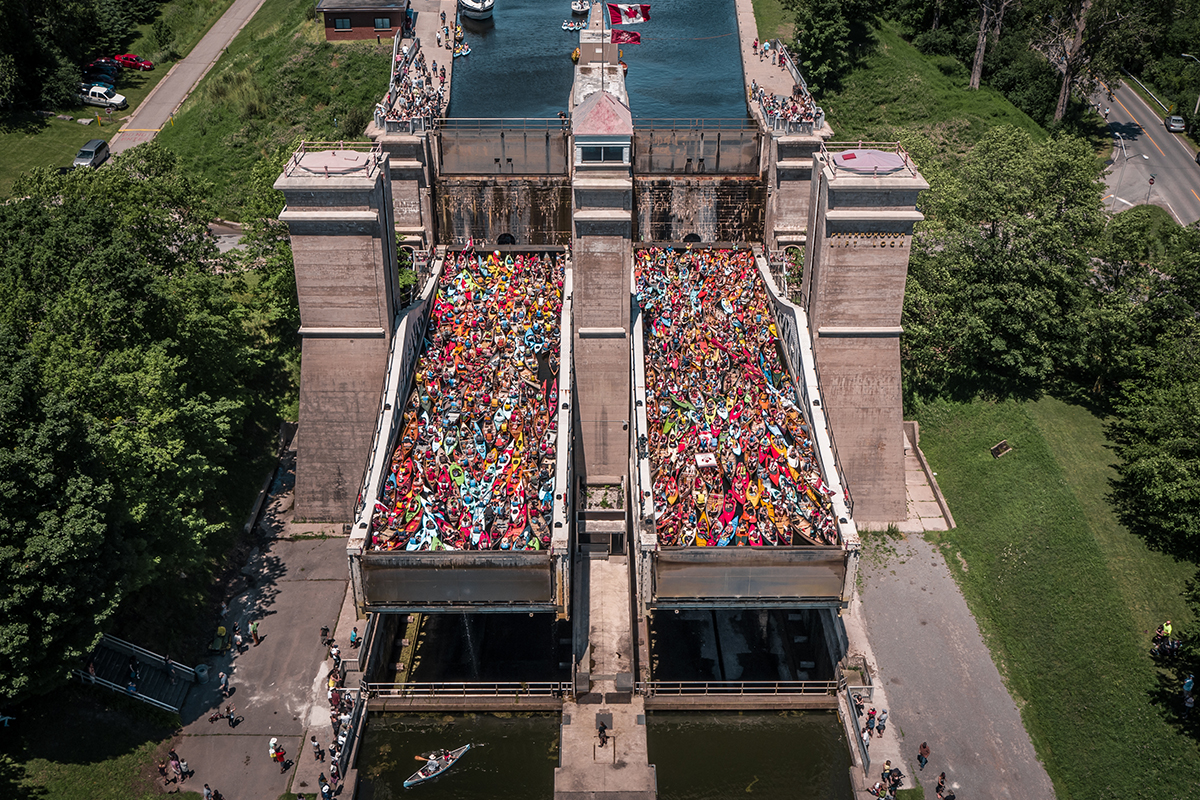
(133, 62)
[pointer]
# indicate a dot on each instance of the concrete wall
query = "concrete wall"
(344, 252)
(716, 209)
(693, 151)
(534, 210)
(856, 262)
(789, 177)
(503, 152)
(362, 24)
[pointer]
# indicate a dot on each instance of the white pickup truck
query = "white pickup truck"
(103, 97)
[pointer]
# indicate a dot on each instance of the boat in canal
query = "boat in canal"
(476, 9)
(580, 6)
(435, 765)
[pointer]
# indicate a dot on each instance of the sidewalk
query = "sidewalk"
(936, 677)
(156, 110)
(300, 584)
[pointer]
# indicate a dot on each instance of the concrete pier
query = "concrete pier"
(621, 769)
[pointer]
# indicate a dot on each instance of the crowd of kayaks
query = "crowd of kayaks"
(731, 454)
(474, 466)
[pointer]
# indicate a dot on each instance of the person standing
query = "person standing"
(866, 737)
(923, 754)
(881, 723)
(223, 683)
(335, 773)
(1189, 703)
(1167, 629)
(208, 795)
(941, 786)
(1189, 684)
(316, 747)
(254, 632)
(871, 722)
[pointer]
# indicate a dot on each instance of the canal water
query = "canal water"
(797, 755)
(688, 65)
(792, 755)
(512, 756)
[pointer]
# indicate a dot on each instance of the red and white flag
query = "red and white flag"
(628, 13)
(626, 37)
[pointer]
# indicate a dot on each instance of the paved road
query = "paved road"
(1149, 150)
(941, 681)
(156, 110)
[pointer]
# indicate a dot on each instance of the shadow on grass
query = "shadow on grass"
(25, 122)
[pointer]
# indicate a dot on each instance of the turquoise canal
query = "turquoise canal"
(688, 65)
(793, 755)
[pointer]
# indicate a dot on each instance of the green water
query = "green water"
(794, 755)
(798, 755)
(511, 756)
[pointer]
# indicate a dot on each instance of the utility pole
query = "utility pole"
(1197, 60)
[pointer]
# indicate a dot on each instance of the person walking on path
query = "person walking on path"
(1189, 684)
(316, 746)
(223, 683)
(941, 786)
(923, 754)
(254, 633)
(1189, 703)
(881, 723)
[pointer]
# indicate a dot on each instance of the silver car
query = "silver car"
(1175, 124)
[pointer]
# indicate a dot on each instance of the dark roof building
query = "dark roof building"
(362, 19)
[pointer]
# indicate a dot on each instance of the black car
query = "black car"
(92, 77)
(106, 64)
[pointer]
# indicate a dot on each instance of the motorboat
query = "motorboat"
(580, 7)
(435, 764)
(476, 9)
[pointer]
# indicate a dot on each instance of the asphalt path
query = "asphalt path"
(156, 110)
(1148, 150)
(940, 679)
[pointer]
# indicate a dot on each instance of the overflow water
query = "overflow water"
(688, 65)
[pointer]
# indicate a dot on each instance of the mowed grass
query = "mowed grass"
(84, 744)
(1063, 595)
(898, 90)
(278, 80)
(773, 20)
(28, 140)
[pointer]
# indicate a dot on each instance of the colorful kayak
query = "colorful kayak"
(436, 764)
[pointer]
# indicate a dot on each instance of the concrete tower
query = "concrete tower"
(861, 217)
(602, 194)
(339, 212)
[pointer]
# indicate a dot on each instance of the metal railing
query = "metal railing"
(716, 124)
(501, 123)
(375, 149)
(658, 688)
(122, 646)
(829, 148)
(469, 689)
(868, 693)
(87, 677)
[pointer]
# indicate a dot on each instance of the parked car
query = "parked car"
(92, 154)
(130, 61)
(89, 83)
(92, 77)
(1175, 124)
(105, 98)
(109, 63)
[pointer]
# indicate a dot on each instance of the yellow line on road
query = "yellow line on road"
(141, 130)
(1193, 191)
(1140, 125)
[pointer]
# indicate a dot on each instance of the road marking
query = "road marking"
(1193, 191)
(1140, 125)
(140, 130)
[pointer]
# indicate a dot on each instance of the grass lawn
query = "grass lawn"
(773, 21)
(28, 140)
(85, 744)
(1064, 596)
(897, 90)
(278, 80)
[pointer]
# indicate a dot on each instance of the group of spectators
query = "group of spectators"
(730, 450)
(474, 467)
(795, 110)
(418, 90)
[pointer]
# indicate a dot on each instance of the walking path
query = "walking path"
(299, 584)
(937, 679)
(156, 110)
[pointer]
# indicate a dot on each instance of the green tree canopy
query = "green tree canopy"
(125, 365)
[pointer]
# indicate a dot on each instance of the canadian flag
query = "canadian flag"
(626, 14)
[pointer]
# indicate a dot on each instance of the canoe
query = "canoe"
(435, 767)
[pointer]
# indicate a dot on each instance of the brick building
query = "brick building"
(362, 19)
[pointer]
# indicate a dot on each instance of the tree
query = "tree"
(1157, 492)
(830, 36)
(991, 15)
(125, 367)
(997, 274)
(1088, 41)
